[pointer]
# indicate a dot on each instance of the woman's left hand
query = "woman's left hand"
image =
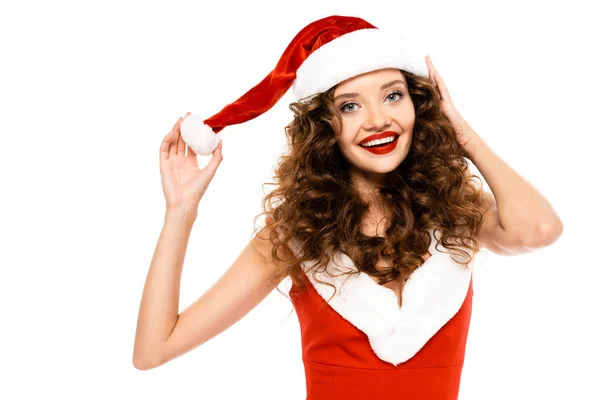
(463, 130)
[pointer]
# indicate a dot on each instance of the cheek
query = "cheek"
(404, 114)
(406, 121)
(347, 140)
(350, 129)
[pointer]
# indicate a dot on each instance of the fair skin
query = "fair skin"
(518, 218)
(162, 333)
(371, 103)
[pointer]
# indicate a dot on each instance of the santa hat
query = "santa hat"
(323, 54)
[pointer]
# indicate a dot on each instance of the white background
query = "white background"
(88, 90)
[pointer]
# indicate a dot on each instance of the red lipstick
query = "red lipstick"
(381, 149)
(381, 135)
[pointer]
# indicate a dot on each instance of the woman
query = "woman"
(376, 219)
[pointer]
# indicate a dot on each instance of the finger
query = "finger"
(430, 69)
(442, 87)
(428, 66)
(180, 144)
(175, 138)
(180, 150)
(218, 151)
(166, 145)
(173, 147)
(190, 152)
(215, 160)
(175, 125)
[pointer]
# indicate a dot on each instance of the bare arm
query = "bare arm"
(158, 309)
(162, 334)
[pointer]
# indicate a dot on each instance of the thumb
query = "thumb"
(215, 160)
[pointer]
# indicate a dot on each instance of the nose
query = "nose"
(377, 119)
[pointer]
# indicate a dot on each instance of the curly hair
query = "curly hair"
(315, 204)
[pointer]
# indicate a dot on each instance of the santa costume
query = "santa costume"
(361, 344)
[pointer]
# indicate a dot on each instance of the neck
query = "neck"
(366, 186)
(367, 179)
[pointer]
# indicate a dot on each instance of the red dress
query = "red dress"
(362, 345)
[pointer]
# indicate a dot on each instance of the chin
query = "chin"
(384, 167)
(381, 164)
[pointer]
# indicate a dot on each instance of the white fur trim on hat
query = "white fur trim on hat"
(198, 136)
(356, 53)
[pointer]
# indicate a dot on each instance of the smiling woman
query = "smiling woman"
(374, 217)
(347, 191)
(380, 113)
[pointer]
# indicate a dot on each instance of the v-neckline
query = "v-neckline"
(410, 279)
(414, 276)
(349, 265)
(432, 295)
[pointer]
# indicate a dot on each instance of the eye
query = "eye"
(344, 108)
(397, 95)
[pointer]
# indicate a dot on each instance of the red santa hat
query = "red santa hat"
(323, 54)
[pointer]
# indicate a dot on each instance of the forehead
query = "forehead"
(369, 80)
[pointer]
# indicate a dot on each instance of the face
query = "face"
(375, 106)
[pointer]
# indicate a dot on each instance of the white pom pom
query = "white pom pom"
(198, 136)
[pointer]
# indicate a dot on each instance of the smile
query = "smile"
(382, 148)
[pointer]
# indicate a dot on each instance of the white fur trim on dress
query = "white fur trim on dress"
(198, 136)
(356, 53)
(432, 295)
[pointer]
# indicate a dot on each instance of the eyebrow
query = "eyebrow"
(383, 87)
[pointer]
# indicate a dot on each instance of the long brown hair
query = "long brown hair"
(315, 205)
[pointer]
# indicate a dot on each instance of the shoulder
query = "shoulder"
(262, 241)
(263, 244)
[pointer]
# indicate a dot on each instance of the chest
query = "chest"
(397, 285)
(374, 225)
(431, 297)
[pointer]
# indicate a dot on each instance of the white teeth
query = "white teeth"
(378, 141)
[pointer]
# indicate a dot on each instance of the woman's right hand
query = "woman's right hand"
(183, 182)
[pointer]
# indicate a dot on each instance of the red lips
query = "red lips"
(378, 136)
